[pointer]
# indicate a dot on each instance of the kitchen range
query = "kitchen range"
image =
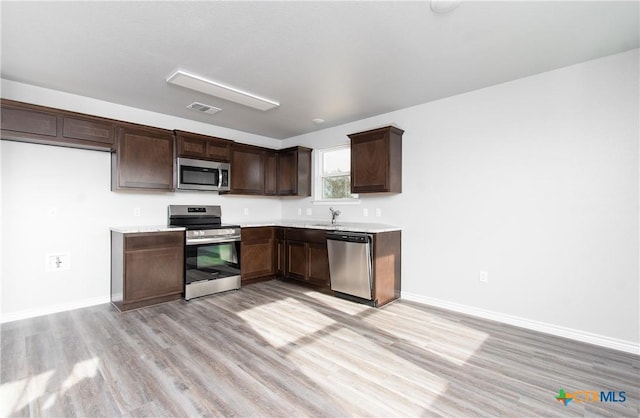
(212, 250)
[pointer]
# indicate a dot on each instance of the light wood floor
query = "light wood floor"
(279, 350)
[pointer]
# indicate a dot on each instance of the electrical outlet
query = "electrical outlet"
(53, 212)
(136, 211)
(299, 211)
(58, 261)
(246, 211)
(378, 212)
(309, 212)
(484, 276)
(365, 212)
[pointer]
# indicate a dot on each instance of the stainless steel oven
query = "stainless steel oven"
(212, 250)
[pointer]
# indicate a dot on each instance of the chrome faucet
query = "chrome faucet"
(334, 215)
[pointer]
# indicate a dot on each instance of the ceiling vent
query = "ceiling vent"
(201, 107)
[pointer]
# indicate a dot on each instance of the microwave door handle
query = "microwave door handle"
(219, 177)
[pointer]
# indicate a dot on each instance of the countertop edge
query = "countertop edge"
(371, 228)
(146, 228)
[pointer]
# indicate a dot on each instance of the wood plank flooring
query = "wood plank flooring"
(276, 349)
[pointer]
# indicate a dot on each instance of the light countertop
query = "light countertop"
(146, 228)
(371, 228)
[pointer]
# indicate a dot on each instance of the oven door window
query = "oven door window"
(211, 261)
(199, 176)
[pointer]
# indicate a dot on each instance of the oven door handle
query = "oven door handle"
(198, 241)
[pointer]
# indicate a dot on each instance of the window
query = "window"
(334, 179)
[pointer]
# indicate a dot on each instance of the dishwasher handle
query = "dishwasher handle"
(349, 237)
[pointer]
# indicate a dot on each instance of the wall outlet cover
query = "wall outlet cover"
(58, 261)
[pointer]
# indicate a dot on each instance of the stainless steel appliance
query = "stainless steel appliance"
(203, 175)
(212, 250)
(350, 256)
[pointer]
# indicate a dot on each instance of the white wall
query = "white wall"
(534, 181)
(36, 178)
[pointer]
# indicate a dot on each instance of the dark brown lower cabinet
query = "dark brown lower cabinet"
(146, 268)
(318, 272)
(301, 254)
(307, 258)
(257, 254)
(386, 267)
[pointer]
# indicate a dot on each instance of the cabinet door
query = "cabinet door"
(153, 273)
(296, 267)
(88, 130)
(318, 264)
(144, 159)
(218, 149)
(258, 258)
(270, 173)
(287, 173)
(192, 147)
(247, 169)
(369, 163)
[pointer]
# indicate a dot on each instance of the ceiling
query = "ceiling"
(338, 61)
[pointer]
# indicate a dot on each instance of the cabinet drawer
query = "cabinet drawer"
(257, 233)
(151, 240)
(307, 235)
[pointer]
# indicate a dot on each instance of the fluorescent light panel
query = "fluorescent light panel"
(212, 88)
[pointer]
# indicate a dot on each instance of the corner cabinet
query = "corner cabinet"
(376, 161)
(294, 172)
(144, 159)
(146, 268)
(263, 171)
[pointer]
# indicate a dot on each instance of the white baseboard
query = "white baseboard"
(574, 334)
(46, 310)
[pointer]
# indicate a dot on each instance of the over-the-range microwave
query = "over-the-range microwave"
(203, 175)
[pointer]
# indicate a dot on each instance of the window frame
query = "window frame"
(319, 176)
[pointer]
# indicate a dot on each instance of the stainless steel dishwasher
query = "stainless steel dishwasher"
(350, 263)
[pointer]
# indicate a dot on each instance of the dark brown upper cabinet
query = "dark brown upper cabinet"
(376, 161)
(44, 125)
(144, 159)
(247, 169)
(202, 147)
(294, 172)
(263, 171)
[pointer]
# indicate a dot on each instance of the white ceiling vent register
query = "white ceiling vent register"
(201, 107)
(213, 88)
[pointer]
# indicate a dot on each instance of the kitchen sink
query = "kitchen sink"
(326, 224)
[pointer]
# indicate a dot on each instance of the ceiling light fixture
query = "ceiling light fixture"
(444, 6)
(317, 121)
(213, 88)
